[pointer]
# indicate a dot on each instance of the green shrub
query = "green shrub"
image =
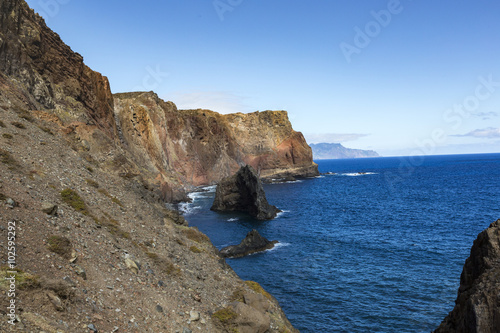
(73, 199)
(60, 245)
(18, 125)
(7, 136)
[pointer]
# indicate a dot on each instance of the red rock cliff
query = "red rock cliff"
(203, 146)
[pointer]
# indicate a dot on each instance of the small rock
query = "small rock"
(11, 203)
(80, 272)
(56, 301)
(131, 265)
(194, 315)
(186, 330)
(92, 327)
(159, 308)
(85, 145)
(161, 283)
(49, 209)
(73, 257)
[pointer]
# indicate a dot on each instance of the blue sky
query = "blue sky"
(400, 77)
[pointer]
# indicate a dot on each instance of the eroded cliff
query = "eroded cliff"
(477, 307)
(202, 146)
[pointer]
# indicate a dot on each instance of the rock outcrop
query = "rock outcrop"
(252, 243)
(477, 307)
(47, 73)
(243, 192)
(201, 146)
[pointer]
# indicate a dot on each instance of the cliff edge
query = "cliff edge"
(477, 307)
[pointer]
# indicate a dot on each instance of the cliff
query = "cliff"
(477, 305)
(83, 180)
(47, 74)
(330, 151)
(201, 146)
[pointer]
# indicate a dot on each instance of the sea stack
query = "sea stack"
(476, 307)
(252, 243)
(243, 192)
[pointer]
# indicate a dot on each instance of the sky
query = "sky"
(401, 77)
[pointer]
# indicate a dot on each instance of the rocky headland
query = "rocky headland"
(243, 192)
(252, 243)
(330, 151)
(84, 177)
(477, 307)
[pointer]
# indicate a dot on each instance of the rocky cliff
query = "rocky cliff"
(200, 147)
(477, 307)
(84, 179)
(47, 74)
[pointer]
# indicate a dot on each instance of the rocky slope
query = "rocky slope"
(330, 151)
(477, 307)
(84, 177)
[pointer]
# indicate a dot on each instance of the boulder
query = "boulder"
(252, 243)
(244, 192)
(476, 307)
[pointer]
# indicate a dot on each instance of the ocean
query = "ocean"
(372, 245)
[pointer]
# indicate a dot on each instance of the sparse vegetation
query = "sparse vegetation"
(26, 116)
(89, 169)
(2, 124)
(113, 199)
(60, 245)
(195, 235)
(2, 197)
(72, 198)
(258, 289)
(225, 315)
(7, 136)
(46, 130)
(166, 266)
(113, 227)
(18, 125)
(194, 249)
(24, 280)
(92, 183)
(6, 158)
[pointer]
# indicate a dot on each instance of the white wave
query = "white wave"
(355, 174)
(233, 219)
(210, 188)
(188, 208)
(277, 246)
(280, 214)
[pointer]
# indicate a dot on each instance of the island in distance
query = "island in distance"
(330, 151)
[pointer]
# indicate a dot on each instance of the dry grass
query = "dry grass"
(60, 245)
(72, 198)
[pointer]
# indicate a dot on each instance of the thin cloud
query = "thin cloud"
(483, 133)
(486, 115)
(219, 101)
(333, 137)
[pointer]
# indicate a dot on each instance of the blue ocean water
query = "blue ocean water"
(376, 247)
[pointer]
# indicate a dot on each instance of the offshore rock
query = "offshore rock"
(243, 192)
(252, 243)
(477, 305)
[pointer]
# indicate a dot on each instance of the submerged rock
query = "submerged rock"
(244, 192)
(252, 243)
(476, 307)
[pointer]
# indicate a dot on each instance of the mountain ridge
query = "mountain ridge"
(324, 151)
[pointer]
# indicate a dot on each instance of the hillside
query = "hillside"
(84, 177)
(329, 151)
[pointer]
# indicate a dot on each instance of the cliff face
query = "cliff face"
(202, 146)
(477, 307)
(48, 73)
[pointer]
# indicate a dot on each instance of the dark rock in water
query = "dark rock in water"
(252, 243)
(477, 305)
(244, 192)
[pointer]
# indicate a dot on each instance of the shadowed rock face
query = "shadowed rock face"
(243, 192)
(48, 73)
(477, 307)
(252, 243)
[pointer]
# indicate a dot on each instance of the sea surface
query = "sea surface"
(376, 245)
